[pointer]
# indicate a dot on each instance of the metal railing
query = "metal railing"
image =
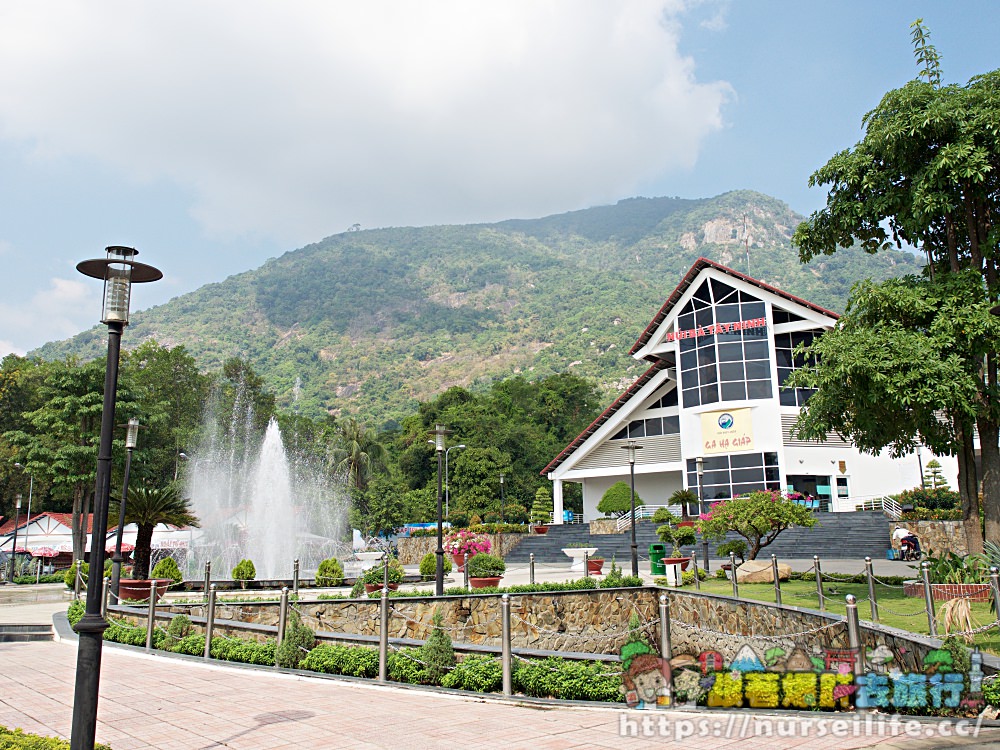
(886, 505)
(646, 511)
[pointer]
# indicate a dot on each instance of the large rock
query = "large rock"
(759, 571)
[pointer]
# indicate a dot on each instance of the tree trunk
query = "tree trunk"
(968, 489)
(143, 542)
(78, 533)
(990, 452)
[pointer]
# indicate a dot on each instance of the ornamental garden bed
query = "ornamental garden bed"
(974, 592)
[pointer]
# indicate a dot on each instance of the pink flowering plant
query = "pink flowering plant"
(465, 542)
(759, 517)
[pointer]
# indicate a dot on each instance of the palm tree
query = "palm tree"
(146, 507)
(359, 454)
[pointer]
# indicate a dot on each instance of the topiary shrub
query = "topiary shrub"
(330, 573)
(437, 653)
(617, 499)
(428, 566)
(244, 571)
(541, 509)
(179, 627)
(358, 589)
(69, 575)
(515, 513)
(298, 641)
(167, 568)
(485, 565)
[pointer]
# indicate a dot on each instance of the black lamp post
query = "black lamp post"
(501, 499)
(446, 491)
(119, 271)
(13, 548)
(700, 465)
(31, 487)
(131, 440)
(632, 447)
(439, 433)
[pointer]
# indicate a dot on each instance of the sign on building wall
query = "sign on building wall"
(726, 431)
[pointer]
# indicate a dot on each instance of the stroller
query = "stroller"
(909, 547)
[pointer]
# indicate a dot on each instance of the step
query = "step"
(22, 633)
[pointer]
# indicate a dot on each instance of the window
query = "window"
(649, 427)
(728, 476)
(730, 366)
(788, 362)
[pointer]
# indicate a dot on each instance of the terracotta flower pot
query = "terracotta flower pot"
(539, 529)
(373, 587)
(682, 561)
(594, 566)
(481, 583)
(459, 560)
(137, 590)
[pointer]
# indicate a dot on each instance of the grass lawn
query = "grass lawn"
(895, 609)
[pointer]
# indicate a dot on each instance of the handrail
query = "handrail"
(645, 511)
(884, 504)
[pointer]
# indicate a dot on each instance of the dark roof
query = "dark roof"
(697, 268)
(606, 415)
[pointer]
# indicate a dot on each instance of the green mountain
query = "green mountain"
(370, 322)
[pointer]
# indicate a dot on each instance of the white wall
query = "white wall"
(654, 489)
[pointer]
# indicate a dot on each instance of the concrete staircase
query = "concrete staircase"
(21, 633)
(836, 535)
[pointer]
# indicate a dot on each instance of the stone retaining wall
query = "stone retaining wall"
(939, 536)
(605, 526)
(412, 549)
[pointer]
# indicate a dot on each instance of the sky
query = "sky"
(212, 136)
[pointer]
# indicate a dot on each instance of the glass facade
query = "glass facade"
(731, 475)
(788, 362)
(730, 366)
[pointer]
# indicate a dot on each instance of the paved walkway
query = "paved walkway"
(168, 703)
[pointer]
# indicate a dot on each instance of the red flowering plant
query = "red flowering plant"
(758, 517)
(465, 542)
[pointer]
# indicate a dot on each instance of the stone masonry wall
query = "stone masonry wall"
(939, 536)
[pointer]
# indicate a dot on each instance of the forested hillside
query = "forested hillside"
(371, 322)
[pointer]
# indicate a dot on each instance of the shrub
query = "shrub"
(486, 566)
(437, 653)
(492, 518)
(617, 579)
(358, 588)
(570, 680)
(179, 627)
(459, 519)
(499, 528)
(244, 571)
(737, 546)
(354, 661)
(677, 535)
(541, 508)
(687, 577)
(330, 573)
(941, 498)
(428, 565)
(617, 499)
(243, 651)
(376, 575)
(919, 513)
(192, 644)
(404, 666)
(663, 515)
(297, 637)
(482, 674)
(75, 611)
(515, 513)
(47, 578)
(167, 568)
(17, 739)
(759, 517)
(68, 575)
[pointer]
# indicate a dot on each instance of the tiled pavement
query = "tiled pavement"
(155, 701)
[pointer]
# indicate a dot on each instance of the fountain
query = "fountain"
(255, 502)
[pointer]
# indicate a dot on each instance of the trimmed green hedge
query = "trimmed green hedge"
(15, 739)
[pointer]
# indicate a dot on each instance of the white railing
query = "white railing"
(573, 518)
(884, 504)
(646, 511)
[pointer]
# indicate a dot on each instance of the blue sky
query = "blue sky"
(212, 136)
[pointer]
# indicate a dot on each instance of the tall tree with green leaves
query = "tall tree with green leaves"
(148, 506)
(358, 454)
(927, 174)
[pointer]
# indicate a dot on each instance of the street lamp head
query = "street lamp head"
(439, 433)
(19, 465)
(132, 435)
(501, 477)
(17, 500)
(632, 447)
(118, 271)
(182, 456)
(700, 464)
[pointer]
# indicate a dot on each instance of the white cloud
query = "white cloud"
(59, 311)
(296, 120)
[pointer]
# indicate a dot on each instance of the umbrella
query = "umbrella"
(44, 552)
(126, 547)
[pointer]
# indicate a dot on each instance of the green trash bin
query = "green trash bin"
(656, 554)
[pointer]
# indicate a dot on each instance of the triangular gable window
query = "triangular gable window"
(783, 316)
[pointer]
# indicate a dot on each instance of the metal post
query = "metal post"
(131, 436)
(697, 578)
(465, 572)
(704, 554)
(76, 583)
(777, 580)
(505, 644)
(586, 564)
(995, 586)
(13, 546)
(208, 578)
(732, 569)
(854, 635)
(295, 577)
(104, 599)
(383, 636)
(632, 447)
(664, 627)
(210, 622)
(151, 617)
(531, 568)
(871, 588)
(925, 573)
(282, 614)
(819, 582)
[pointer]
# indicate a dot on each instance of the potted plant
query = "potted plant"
(146, 507)
(486, 570)
(464, 544)
(243, 572)
(678, 536)
(594, 565)
(541, 510)
(374, 577)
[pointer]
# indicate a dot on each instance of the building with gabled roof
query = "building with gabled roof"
(719, 351)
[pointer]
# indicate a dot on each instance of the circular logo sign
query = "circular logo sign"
(726, 421)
